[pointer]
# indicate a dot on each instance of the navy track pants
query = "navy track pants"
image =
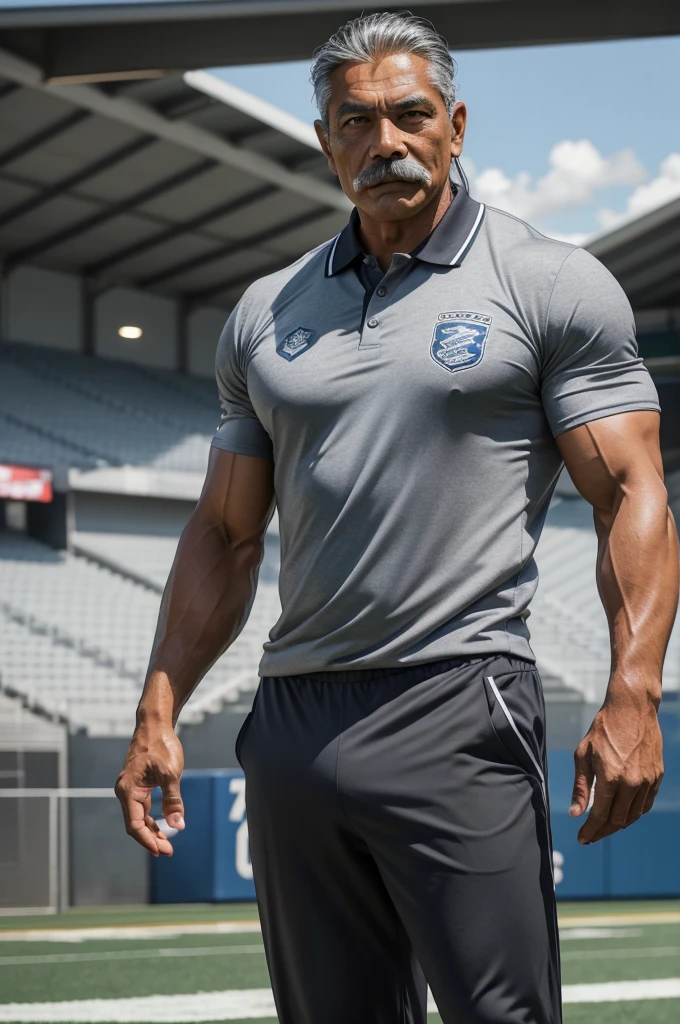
(400, 836)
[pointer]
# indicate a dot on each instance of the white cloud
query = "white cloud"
(659, 190)
(577, 171)
(573, 237)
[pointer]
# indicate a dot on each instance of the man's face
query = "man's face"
(390, 139)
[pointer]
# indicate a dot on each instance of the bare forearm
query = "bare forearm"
(616, 464)
(206, 601)
(638, 583)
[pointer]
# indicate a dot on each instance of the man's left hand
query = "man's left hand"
(622, 754)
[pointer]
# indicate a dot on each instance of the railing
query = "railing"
(55, 883)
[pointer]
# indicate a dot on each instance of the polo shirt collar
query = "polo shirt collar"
(447, 245)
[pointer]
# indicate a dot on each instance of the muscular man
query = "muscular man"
(407, 394)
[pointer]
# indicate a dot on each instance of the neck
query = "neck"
(383, 238)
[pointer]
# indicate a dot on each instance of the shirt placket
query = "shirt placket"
(377, 309)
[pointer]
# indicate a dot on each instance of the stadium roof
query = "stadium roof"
(188, 186)
(95, 40)
(644, 255)
(183, 185)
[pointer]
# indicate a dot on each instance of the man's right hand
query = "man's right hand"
(209, 591)
(154, 758)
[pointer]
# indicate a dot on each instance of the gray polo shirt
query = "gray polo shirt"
(411, 417)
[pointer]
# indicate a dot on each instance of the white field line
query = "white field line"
(620, 954)
(179, 952)
(576, 927)
(133, 931)
(615, 920)
(237, 1004)
(183, 952)
(622, 991)
(599, 933)
(247, 1004)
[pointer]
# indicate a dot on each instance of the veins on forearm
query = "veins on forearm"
(637, 581)
(204, 607)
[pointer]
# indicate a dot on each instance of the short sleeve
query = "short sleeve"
(239, 429)
(591, 365)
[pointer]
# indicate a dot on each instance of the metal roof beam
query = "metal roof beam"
(183, 133)
(106, 162)
(177, 107)
(37, 139)
(650, 253)
(97, 40)
(183, 228)
(631, 231)
(652, 284)
(108, 213)
(205, 296)
(232, 247)
(7, 88)
(646, 256)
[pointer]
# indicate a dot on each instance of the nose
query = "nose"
(389, 142)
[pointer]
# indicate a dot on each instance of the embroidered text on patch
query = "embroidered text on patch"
(297, 342)
(459, 339)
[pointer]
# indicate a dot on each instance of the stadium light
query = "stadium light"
(130, 332)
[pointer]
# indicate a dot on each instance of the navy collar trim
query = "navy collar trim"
(447, 245)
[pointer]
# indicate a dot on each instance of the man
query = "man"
(406, 394)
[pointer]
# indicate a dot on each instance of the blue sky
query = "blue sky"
(522, 102)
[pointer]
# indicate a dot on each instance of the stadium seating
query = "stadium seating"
(136, 554)
(77, 626)
(570, 634)
(24, 441)
(567, 621)
(50, 671)
(150, 557)
(76, 638)
(86, 412)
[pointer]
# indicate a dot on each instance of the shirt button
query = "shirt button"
(381, 291)
(373, 322)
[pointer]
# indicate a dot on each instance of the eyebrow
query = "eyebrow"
(365, 108)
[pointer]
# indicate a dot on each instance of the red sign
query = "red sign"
(23, 484)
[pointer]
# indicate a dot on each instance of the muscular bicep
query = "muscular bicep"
(607, 456)
(213, 579)
(237, 496)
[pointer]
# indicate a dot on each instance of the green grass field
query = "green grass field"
(201, 960)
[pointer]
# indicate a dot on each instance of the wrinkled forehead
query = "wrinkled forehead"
(383, 83)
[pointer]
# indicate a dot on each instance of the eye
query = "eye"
(357, 119)
(416, 113)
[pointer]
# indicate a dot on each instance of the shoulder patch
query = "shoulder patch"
(459, 339)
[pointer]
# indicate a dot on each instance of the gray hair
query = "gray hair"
(367, 39)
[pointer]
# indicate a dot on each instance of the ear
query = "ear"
(321, 135)
(458, 122)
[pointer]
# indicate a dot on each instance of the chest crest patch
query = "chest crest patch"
(295, 343)
(459, 339)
